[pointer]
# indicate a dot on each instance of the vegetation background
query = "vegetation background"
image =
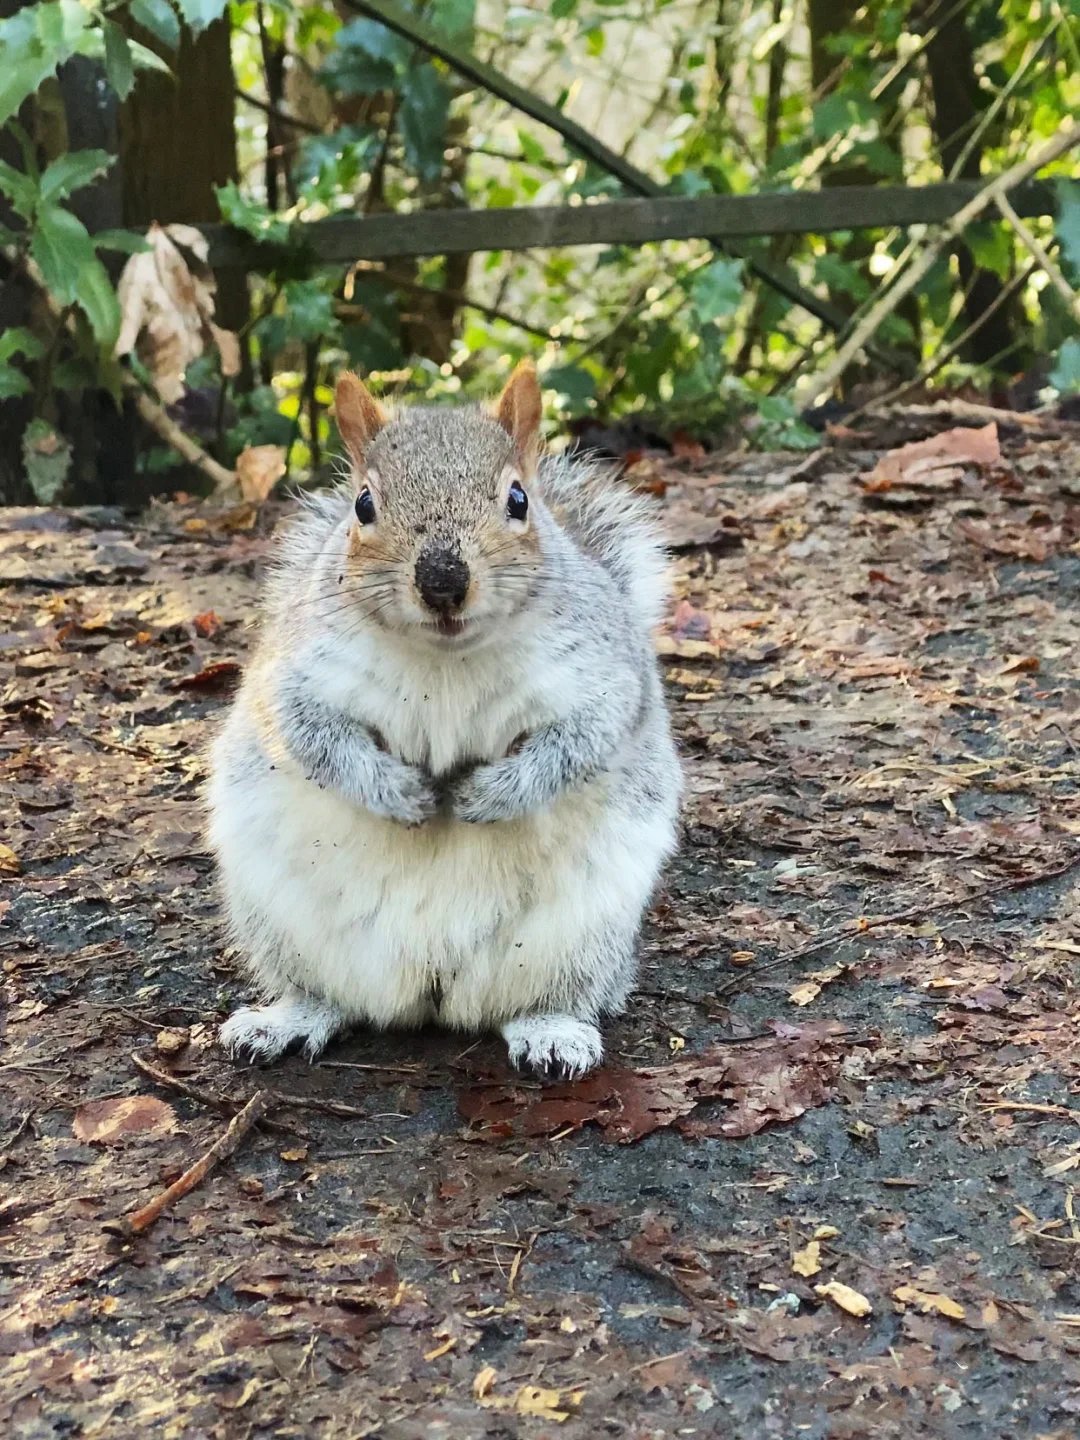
(271, 114)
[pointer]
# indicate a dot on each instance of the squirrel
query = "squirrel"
(447, 785)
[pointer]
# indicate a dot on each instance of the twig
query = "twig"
(1039, 255)
(818, 386)
(167, 429)
(943, 356)
(656, 1272)
(898, 917)
(140, 1220)
(278, 115)
(223, 1103)
(173, 1082)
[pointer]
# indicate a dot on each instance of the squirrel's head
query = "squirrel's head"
(441, 540)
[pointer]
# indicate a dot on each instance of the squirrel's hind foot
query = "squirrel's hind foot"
(553, 1047)
(262, 1033)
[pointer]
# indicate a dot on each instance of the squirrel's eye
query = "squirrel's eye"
(517, 502)
(365, 507)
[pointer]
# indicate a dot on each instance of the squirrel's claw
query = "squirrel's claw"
(553, 1047)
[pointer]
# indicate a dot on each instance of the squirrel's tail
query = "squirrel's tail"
(611, 524)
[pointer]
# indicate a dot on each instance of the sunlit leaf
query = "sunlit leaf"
(159, 17)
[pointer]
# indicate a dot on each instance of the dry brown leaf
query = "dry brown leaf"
(807, 1261)
(111, 1122)
(258, 469)
(167, 309)
(929, 1303)
(845, 1298)
(936, 462)
(768, 1082)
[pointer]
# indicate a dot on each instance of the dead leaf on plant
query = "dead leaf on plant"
(258, 469)
(167, 309)
(112, 1122)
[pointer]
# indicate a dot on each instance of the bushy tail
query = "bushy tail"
(613, 525)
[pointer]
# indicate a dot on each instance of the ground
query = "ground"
(853, 1059)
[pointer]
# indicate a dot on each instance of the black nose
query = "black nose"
(442, 577)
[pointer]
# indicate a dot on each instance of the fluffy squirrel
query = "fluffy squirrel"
(447, 785)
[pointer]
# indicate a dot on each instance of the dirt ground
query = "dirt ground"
(826, 1186)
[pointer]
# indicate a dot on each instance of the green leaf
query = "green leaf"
(254, 219)
(455, 18)
(309, 310)
(20, 341)
(20, 190)
(128, 242)
(64, 251)
(201, 13)
(47, 458)
(159, 18)
(367, 57)
(560, 9)
(33, 42)
(717, 291)
(12, 382)
(72, 171)
(16, 341)
(1068, 222)
(424, 105)
(1065, 375)
(119, 66)
(91, 46)
(573, 382)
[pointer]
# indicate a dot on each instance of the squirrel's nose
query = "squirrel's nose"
(442, 577)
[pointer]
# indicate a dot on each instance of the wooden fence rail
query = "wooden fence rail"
(345, 239)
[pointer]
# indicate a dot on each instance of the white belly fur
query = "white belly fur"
(378, 918)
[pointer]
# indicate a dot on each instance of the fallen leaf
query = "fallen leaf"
(767, 1082)
(483, 1381)
(167, 309)
(845, 1298)
(443, 1349)
(171, 1042)
(258, 469)
(936, 462)
(218, 676)
(537, 1401)
(207, 624)
(111, 1122)
(928, 1303)
(813, 985)
(807, 1261)
(9, 861)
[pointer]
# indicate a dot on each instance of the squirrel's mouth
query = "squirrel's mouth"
(450, 626)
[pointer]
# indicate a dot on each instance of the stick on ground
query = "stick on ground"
(226, 1145)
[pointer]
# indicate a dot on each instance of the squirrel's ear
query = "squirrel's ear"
(519, 412)
(359, 415)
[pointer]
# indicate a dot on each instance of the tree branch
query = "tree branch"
(818, 386)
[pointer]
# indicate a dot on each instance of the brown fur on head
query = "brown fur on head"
(439, 543)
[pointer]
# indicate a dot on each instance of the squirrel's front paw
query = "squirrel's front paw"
(408, 797)
(485, 795)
